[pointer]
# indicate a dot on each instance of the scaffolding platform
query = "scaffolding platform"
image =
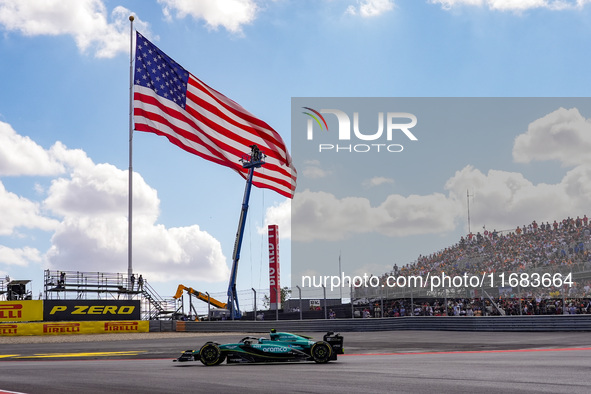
(101, 285)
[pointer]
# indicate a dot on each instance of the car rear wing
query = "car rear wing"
(335, 340)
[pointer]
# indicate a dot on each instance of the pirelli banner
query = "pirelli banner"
(73, 328)
(91, 310)
(17, 311)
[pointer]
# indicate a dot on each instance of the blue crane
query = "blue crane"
(256, 160)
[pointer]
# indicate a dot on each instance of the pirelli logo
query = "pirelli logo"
(61, 328)
(131, 326)
(20, 311)
(11, 311)
(8, 329)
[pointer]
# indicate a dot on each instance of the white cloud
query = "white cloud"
(85, 20)
(430, 214)
(230, 14)
(370, 8)
(100, 244)
(100, 190)
(563, 135)
(502, 200)
(281, 216)
(513, 5)
(377, 181)
(20, 257)
(20, 212)
(20, 155)
(320, 216)
(93, 232)
(313, 170)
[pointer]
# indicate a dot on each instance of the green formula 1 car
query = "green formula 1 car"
(282, 346)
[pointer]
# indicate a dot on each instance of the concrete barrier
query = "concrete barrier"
(435, 323)
(162, 325)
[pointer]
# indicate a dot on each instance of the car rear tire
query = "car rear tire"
(210, 355)
(321, 352)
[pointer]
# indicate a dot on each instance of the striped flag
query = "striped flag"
(171, 102)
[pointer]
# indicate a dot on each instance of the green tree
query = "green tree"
(285, 295)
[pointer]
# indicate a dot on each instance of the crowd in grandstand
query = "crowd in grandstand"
(479, 307)
(529, 247)
(560, 246)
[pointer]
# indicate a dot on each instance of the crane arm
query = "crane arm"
(199, 295)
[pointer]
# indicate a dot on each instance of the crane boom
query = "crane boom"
(199, 295)
(256, 160)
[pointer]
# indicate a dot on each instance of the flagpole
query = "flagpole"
(130, 173)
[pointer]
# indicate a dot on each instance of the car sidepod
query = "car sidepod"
(263, 352)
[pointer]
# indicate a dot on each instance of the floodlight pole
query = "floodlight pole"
(468, 195)
(256, 160)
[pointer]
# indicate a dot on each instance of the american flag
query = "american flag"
(170, 101)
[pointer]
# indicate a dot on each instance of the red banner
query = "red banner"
(274, 267)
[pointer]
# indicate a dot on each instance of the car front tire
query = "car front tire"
(210, 355)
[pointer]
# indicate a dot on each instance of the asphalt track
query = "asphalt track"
(399, 361)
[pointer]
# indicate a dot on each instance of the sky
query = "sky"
(64, 126)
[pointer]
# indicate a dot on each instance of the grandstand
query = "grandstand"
(548, 250)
